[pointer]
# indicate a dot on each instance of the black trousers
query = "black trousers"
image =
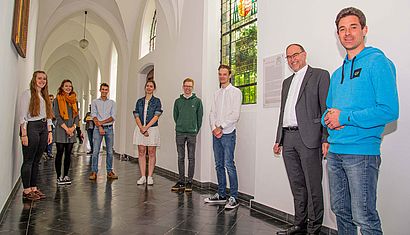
(304, 169)
(37, 135)
(90, 138)
(66, 149)
(78, 130)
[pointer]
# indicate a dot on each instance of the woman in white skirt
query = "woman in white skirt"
(147, 111)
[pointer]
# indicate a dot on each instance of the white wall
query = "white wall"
(180, 53)
(171, 68)
(312, 24)
(16, 74)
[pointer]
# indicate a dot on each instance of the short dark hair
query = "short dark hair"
(351, 11)
(224, 66)
(296, 44)
(104, 84)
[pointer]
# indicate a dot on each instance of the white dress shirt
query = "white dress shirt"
(289, 114)
(225, 109)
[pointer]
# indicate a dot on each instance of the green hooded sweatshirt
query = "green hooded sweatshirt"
(188, 114)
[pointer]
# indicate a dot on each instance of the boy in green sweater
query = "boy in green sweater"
(188, 114)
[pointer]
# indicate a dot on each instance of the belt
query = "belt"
(290, 128)
(40, 120)
(108, 125)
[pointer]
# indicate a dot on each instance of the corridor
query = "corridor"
(122, 207)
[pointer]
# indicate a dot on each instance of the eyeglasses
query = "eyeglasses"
(293, 56)
(188, 86)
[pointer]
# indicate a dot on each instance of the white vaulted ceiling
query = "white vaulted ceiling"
(60, 27)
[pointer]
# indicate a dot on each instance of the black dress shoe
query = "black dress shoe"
(293, 230)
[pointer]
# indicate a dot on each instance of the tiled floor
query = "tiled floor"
(122, 207)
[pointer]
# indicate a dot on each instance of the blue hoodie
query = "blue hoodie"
(365, 91)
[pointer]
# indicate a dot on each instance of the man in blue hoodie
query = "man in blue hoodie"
(362, 99)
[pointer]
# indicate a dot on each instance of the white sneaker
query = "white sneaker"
(60, 181)
(232, 203)
(150, 180)
(142, 180)
(66, 180)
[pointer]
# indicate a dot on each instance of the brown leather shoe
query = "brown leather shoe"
(112, 175)
(32, 196)
(93, 176)
(40, 194)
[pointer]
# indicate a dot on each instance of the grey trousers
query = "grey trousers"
(304, 169)
(190, 140)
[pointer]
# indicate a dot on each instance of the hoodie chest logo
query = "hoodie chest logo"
(356, 73)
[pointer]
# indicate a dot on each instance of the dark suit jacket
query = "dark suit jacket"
(310, 106)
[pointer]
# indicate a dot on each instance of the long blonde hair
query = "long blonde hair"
(34, 108)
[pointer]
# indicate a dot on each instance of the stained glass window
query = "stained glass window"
(239, 44)
(153, 32)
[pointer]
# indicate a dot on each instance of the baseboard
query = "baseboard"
(9, 199)
(285, 217)
(245, 198)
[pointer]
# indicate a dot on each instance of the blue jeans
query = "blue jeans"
(224, 149)
(50, 146)
(353, 192)
(109, 142)
(49, 150)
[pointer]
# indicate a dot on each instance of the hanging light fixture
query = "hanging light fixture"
(84, 42)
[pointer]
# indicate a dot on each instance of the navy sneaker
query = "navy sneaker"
(216, 199)
(178, 187)
(188, 187)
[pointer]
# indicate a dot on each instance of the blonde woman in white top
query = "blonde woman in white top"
(35, 130)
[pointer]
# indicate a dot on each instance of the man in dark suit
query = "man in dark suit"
(303, 139)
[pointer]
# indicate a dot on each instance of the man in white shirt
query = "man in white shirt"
(223, 118)
(301, 135)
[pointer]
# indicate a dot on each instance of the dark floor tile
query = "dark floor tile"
(181, 232)
(13, 226)
(215, 229)
(22, 232)
(34, 230)
(122, 207)
(139, 229)
(193, 225)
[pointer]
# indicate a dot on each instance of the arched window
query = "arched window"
(153, 32)
(146, 74)
(113, 72)
(239, 44)
(150, 75)
(98, 80)
(148, 34)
